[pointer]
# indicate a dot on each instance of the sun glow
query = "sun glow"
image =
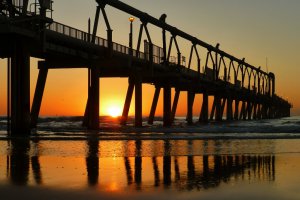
(114, 111)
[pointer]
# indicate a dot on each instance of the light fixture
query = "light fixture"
(131, 19)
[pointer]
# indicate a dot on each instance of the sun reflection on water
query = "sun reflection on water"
(120, 166)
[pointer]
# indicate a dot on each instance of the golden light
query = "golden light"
(131, 19)
(114, 111)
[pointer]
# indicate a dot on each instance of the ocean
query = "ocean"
(224, 160)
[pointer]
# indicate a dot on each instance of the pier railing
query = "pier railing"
(157, 55)
(81, 35)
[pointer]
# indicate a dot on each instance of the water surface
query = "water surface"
(188, 169)
(228, 160)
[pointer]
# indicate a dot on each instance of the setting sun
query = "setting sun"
(114, 111)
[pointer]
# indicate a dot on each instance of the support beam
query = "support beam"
(271, 111)
(236, 109)
(167, 105)
(25, 7)
(86, 115)
(175, 103)
(127, 103)
(38, 95)
(190, 103)
(20, 90)
(258, 112)
(229, 113)
(154, 105)
(264, 111)
(213, 109)
(243, 111)
(138, 102)
(218, 116)
(8, 96)
(93, 102)
(254, 110)
(249, 110)
(223, 105)
(204, 110)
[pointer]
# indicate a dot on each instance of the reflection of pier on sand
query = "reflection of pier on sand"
(139, 171)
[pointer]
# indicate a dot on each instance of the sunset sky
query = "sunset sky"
(256, 30)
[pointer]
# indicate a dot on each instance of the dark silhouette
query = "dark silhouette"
(138, 164)
(228, 79)
(19, 162)
(92, 161)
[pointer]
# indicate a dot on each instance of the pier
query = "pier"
(240, 91)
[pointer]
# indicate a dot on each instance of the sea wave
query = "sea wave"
(110, 128)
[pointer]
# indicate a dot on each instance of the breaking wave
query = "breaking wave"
(110, 128)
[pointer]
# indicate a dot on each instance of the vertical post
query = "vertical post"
(216, 68)
(223, 103)
(8, 95)
(190, 103)
(138, 101)
(269, 84)
(273, 85)
(127, 101)
(236, 109)
(93, 102)
(43, 8)
(86, 114)
(89, 30)
(229, 108)
(264, 110)
(212, 113)
(109, 31)
(243, 111)
(24, 7)
(163, 19)
(254, 110)
(38, 95)
(139, 40)
(164, 46)
(175, 103)
(131, 19)
(154, 105)
(204, 109)
(258, 112)
(110, 43)
(167, 105)
(20, 89)
(249, 110)
(218, 115)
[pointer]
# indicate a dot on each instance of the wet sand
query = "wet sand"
(149, 169)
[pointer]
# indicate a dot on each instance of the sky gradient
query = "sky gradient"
(256, 30)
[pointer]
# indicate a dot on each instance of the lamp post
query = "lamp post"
(131, 19)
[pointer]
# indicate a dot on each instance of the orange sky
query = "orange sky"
(251, 29)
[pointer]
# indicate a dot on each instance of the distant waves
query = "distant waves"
(110, 128)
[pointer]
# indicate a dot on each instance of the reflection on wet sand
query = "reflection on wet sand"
(186, 172)
(92, 161)
(19, 160)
